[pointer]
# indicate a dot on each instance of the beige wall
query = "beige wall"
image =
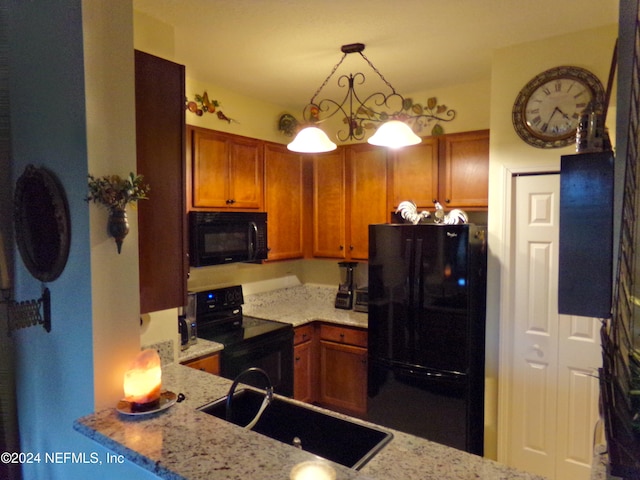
(111, 149)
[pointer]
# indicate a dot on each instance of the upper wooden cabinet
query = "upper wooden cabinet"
(329, 204)
(226, 170)
(413, 174)
(453, 169)
(367, 195)
(283, 178)
(160, 144)
(464, 171)
(349, 193)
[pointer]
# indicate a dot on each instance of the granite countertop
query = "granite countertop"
(183, 443)
(200, 349)
(302, 304)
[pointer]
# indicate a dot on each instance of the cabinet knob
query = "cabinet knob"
(230, 201)
(447, 200)
(341, 247)
(350, 247)
(297, 359)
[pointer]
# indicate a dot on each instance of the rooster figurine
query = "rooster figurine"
(454, 217)
(409, 211)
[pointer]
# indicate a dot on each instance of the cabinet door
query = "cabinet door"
(329, 204)
(226, 170)
(160, 144)
(414, 174)
(210, 168)
(465, 175)
(284, 199)
(303, 372)
(343, 377)
(367, 195)
(245, 173)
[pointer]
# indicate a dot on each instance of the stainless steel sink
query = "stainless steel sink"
(328, 436)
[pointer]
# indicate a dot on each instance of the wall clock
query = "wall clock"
(547, 109)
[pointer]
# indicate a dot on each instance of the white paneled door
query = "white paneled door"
(553, 389)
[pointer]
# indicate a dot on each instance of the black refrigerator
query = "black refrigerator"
(427, 296)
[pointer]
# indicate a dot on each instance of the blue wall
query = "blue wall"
(54, 371)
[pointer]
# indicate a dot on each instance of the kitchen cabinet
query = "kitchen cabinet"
(464, 170)
(452, 168)
(226, 171)
(350, 192)
(208, 363)
(367, 195)
(283, 175)
(160, 144)
(343, 369)
(305, 365)
(329, 204)
(413, 174)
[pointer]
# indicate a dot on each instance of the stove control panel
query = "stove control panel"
(226, 298)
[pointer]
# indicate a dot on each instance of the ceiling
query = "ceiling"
(281, 51)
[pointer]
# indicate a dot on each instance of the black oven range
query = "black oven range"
(248, 341)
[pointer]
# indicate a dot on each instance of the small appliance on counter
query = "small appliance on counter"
(187, 327)
(361, 301)
(344, 297)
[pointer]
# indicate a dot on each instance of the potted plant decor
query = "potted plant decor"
(115, 193)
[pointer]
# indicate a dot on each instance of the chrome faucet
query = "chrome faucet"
(267, 399)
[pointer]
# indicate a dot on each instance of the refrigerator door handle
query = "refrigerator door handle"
(408, 247)
(417, 274)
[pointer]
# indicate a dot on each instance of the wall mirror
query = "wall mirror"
(42, 224)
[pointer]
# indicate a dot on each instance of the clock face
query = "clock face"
(547, 110)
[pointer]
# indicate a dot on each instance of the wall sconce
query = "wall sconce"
(360, 114)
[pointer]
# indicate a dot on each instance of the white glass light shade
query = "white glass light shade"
(394, 134)
(311, 140)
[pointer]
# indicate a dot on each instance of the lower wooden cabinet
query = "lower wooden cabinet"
(343, 369)
(209, 364)
(330, 367)
(304, 364)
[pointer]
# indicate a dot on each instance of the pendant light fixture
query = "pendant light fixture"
(359, 115)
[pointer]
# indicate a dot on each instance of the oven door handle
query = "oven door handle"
(253, 240)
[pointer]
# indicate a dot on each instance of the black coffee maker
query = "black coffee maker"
(344, 298)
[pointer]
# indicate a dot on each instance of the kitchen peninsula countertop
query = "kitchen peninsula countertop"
(183, 443)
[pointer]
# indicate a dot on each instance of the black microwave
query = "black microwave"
(227, 237)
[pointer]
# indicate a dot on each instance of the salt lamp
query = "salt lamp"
(143, 381)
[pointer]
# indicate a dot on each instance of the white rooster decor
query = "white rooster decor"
(454, 217)
(409, 211)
